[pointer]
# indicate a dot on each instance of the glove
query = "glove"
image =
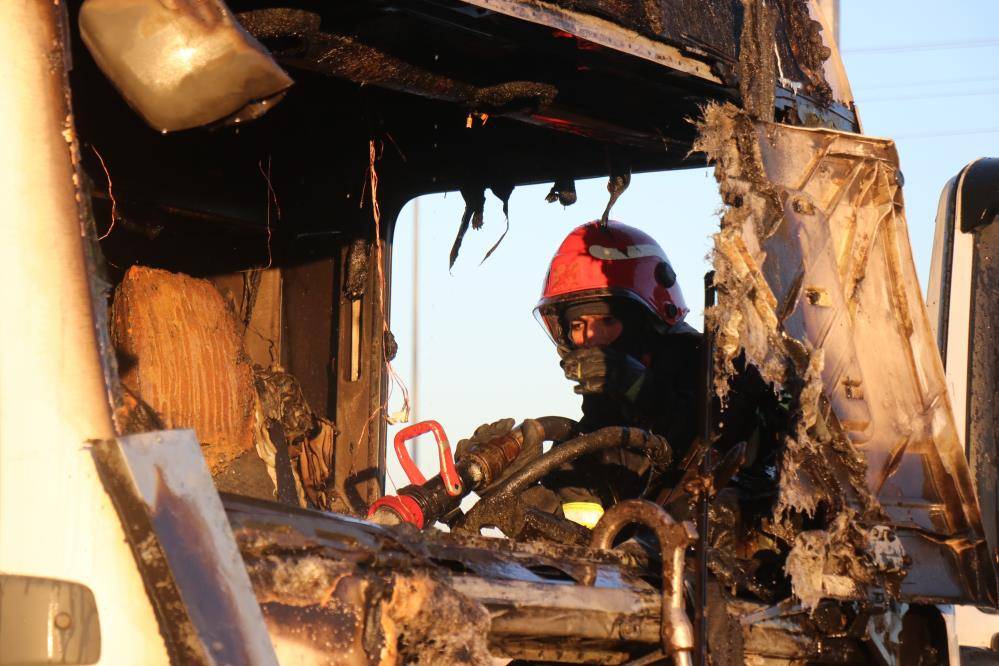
(600, 370)
(484, 433)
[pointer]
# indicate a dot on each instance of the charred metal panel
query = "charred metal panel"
(621, 26)
(361, 307)
(750, 44)
(545, 601)
(308, 331)
(180, 536)
(745, 632)
(818, 288)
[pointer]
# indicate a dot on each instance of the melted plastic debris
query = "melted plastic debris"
(371, 614)
(837, 561)
(801, 489)
(825, 563)
(819, 468)
(746, 315)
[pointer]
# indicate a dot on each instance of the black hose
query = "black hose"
(605, 438)
(557, 428)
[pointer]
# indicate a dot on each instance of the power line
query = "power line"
(902, 98)
(925, 46)
(934, 133)
(932, 82)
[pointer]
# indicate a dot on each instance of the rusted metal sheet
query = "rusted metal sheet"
(817, 286)
(178, 531)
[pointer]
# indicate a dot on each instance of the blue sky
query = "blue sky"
(483, 357)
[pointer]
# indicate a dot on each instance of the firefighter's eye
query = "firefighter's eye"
(577, 325)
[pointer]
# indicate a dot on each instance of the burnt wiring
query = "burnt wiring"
(502, 191)
(271, 198)
(617, 183)
(114, 204)
(402, 415)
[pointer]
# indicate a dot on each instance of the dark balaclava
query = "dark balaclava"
(638, 331)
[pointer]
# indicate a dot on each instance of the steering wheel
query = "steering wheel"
(502, 507)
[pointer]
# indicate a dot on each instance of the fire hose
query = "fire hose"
(487, 465)
(423, 502)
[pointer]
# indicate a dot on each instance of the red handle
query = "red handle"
(449, 474)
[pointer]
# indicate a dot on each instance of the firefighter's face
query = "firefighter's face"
(596, 330)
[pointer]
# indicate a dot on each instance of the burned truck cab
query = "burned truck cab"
(207, 285)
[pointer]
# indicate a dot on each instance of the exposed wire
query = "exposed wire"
(925, 46)
(271, 197)
(114, 204)
(394, 378)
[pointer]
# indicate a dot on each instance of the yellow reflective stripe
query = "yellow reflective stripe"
(587, 514)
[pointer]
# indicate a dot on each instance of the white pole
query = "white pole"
(415, 344)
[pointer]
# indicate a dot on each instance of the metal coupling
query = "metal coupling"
(486, 461)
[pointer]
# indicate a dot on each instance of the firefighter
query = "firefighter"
(611, 304)
(613, 307)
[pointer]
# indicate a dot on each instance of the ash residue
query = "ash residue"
(835, 562)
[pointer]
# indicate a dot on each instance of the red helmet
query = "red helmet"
(595, 262)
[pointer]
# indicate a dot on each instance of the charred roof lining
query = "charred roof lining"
(208, 184)
(499, 65)
(408, 75)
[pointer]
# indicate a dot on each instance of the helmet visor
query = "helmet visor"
(555, 314)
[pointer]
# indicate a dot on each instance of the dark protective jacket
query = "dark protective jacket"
(669, 405)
